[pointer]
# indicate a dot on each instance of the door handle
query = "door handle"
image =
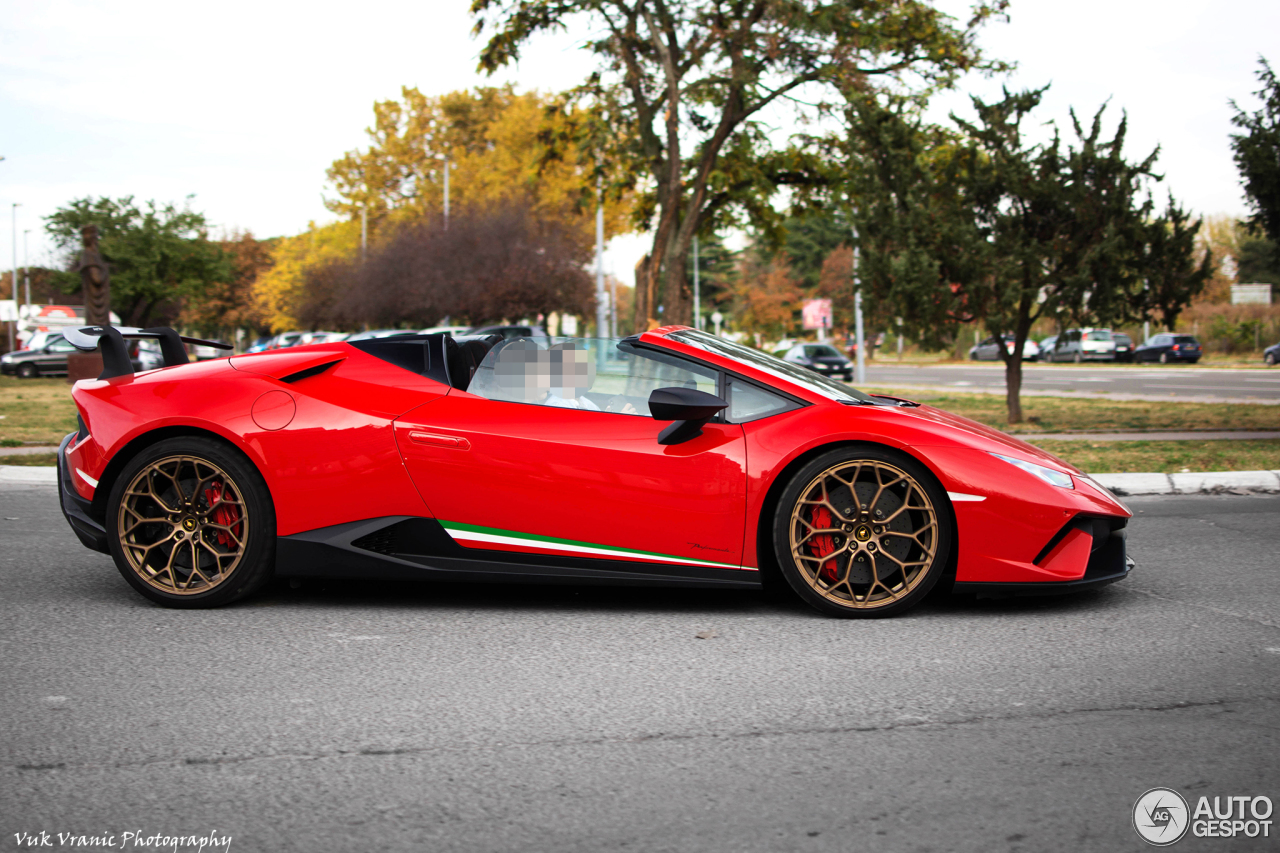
(435, 440)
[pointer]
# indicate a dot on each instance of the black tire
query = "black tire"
(27, 370)
(1164, 358)
(1269, 359)
(873, 554)
(1079, 357)
(207, 527)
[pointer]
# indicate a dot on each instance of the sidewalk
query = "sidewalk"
(1214, 482)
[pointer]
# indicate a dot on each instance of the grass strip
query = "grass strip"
(34, 459)
(35, 410)
(1166, 457)
(1073, 414)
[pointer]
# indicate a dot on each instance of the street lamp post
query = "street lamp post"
(602, 309)
(697, 288)
(26, 264)
(16, 205)
(860, 369)
(446, 192)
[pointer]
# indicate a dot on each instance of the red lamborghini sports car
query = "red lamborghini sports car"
(673, 457)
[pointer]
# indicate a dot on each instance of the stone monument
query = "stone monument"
(96, 280)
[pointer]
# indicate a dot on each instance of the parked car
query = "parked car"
(509, 332)
(260, 344)
(989, 350)
(323, 461)
(146, 355)
(820, 358)
(377, 333)
(48, 360)
(284, 340)
(1124, 346)
(1085, 345)
(1169, 349)
(445, 330)
(1046, 347)
(1271, 355)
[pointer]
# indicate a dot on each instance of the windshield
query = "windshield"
(1184, 339)
(1098, 336)
(776, 367)
(821, 351)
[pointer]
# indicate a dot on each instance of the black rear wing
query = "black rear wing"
(115, 353)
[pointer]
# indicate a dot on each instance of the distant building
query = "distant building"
(1250, 294)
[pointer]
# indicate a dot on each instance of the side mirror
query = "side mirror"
(688, 407)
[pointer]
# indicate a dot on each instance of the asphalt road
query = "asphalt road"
(1116, 381)
(373, 717)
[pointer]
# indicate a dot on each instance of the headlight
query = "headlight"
(1049, 475)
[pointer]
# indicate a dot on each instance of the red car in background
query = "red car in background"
(672, 457)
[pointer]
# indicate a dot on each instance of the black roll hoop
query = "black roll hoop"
(115, 352)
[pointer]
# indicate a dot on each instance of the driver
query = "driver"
(571, 372)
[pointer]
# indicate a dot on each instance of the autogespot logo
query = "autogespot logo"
(1160, 816)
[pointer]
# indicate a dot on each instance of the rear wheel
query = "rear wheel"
(1079, 358)
(192, 524)
(1164, 358)
(862, 532)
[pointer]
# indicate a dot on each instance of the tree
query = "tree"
(229, 304)
(502, 146)
(1257, 155)
(766, 299)
(984, 226)
(281, 292)
(683, 88)
(497, 262)
(1173, 277)
(159, 255)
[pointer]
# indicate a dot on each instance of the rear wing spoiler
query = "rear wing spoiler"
(115, 353)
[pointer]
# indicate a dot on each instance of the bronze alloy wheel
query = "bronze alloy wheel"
(864, 535)
(182, 525)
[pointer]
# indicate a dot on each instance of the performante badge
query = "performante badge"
(1160, 817)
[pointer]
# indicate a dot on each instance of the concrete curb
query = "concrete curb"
(1213, 482)
(28, 474)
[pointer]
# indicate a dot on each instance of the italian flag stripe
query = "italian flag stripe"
(468, 533)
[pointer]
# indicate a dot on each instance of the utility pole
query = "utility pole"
(860, 365)
(26, 263)
(446, 192)
(16, 205)
(602, 309)
(697, 288)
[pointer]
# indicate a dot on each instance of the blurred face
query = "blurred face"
(572, 372)
(528, 373)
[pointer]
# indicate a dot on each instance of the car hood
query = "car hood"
(962, 430)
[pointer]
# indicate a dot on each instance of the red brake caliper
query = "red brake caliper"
(824, 543)
(227, 515)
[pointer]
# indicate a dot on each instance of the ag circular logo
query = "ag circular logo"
(1161, 817)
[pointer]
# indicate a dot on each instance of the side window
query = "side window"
(749, 402)
(595, 374)
(59, 345)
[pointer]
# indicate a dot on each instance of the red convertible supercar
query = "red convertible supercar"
(670, 457)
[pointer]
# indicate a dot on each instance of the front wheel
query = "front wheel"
(862, 532)
(1270, 359)
(192, 524)
(27, 371)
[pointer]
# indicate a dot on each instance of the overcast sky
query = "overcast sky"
(245, 104)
